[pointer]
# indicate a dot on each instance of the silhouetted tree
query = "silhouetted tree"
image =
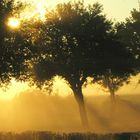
(15, 49)
(130, 36)
(117, 65)
(78, 42)
(66, 47)
(5, 9)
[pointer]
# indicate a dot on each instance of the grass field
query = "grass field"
(67, 136)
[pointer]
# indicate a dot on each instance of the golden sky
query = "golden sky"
(115, 9)
(118, 9)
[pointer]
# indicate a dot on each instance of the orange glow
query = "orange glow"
(14, 89)
(35, 10)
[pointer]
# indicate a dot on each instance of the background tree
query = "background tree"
(15, 48)
(5, 9)
(117, 65)
(130, 36)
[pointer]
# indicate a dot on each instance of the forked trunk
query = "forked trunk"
(83, 114)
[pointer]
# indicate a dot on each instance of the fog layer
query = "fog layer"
(35, 111)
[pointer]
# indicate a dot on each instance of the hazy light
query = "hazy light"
(35, 10)
(35, 111)
(13, 90)
(13, 23)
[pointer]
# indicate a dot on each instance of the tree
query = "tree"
(15, 49)
(78, 42)
(5, 9)
(129, 31)
(117, 65)
(67, 48)
(128, 55)
(135, 45)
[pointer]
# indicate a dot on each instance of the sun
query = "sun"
(13, 23)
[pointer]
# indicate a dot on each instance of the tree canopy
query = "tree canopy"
(82, 43)
(129, 31)
(78, 42)
(15, 49)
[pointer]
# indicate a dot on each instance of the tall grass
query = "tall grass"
(67, 136)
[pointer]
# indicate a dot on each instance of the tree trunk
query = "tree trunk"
(80, 100)
(112, 94)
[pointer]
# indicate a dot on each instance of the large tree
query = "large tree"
(67, 47)
(78, 42)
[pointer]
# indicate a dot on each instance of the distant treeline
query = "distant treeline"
(67, 136)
